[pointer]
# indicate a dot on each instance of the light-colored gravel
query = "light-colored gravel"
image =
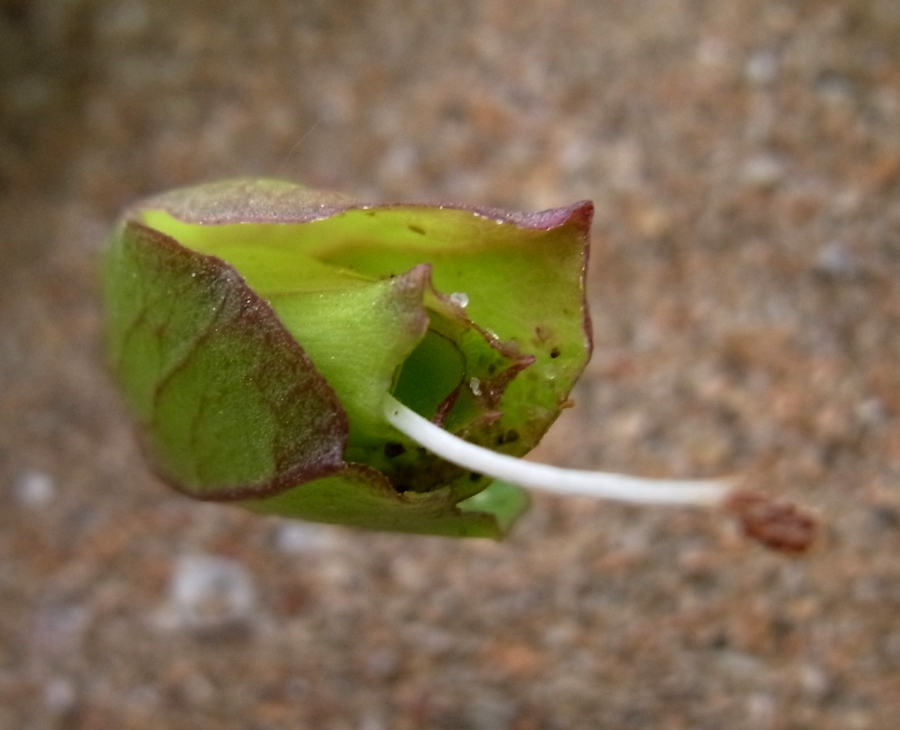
(745, 282)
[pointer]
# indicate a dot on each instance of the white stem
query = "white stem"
(548, 478)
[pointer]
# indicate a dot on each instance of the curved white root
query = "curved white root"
(601, 485)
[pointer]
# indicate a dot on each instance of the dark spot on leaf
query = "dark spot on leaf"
(554, 353)
(393, 449)
(475, 476)
(509, 437)
(417, 229)
(492, 369)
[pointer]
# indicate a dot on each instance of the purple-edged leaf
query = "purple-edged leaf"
(255, 327)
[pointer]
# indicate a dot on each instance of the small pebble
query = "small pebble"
(35, 489)
(58, 630)
(198, 690)
(398, 162)
(382, 662)
(741, 665)
(892, 647)
(762, 171)
(712, 51)
(872, 412)
(834, 260)
(298, 538)
(211, 593)
(372, 722)
(761, 709)
(834, 88)
(491, 711)
(761, 68)
(60, 695)
(576, 155)
(815, 681)
(868, 589)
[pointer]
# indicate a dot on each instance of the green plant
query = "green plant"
(384, 367)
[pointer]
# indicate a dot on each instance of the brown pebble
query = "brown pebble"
(778, 524)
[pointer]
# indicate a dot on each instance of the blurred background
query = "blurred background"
(744, 158)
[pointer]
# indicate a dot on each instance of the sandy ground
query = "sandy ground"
(744, 157)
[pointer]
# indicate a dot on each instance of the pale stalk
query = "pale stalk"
(574, 482)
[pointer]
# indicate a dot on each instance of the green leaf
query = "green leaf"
(255, 327)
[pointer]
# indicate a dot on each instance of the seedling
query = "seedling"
(383, 367)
